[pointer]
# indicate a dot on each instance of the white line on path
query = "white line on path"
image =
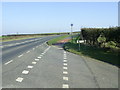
(65, 72)
(20, 55)
(25, 72)
(19, 79)
(64, 52)
(34, 62)
(65, 78)
(65, 64)
(65, 68)
(64, 60)
(65, 86)
(29, 66)
(8, 62)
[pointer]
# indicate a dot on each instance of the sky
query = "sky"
(50, 17)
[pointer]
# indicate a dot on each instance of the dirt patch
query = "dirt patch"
(63, 41)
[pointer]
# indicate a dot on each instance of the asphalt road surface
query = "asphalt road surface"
(32, 63)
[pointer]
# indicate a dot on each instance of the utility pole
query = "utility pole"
(71, 32)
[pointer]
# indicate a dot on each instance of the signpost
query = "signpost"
(71, 32)
(80, 41)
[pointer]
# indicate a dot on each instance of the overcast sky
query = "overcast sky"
(49, 17)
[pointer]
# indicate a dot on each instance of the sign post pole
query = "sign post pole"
(71, 32)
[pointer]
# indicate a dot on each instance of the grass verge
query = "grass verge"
(55, 40)
(93, 52)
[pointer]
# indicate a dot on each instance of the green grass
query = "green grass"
(93, 52)
(53, 41)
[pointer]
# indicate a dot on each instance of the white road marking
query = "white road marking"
(65, 68)
(64, 60)
(39, 57)
(64, 52)
(29, 66)
(65, 72)
(8, 62)
(65, 78)
(65, 86)
(65, 64)
(42, 53)
(25, 72)
(19, 79)
(27, 51)
(34, 62)
(20, 55)
(33, 48)
(36, 59)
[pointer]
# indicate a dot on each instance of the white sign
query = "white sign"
(80, 41)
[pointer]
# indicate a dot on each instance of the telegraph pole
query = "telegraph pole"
(71, 32)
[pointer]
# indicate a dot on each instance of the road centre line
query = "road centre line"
(8, 62)
(27, 51)
(41, 55)
(33, 48)
(20, 55)
(36, 59)
(19, 79)
(25, 72)
(29, 66)
(34, 62)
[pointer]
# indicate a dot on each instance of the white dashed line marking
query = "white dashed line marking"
(20, 55)
(8, 62)
(19, 79)
(64, 60)
(64, 52)
(33, 48)
(65, 86)
(27, 51)
(36, 59)
(42, 53)
(39, 57)
(65, 72)
(65, 64)
(29, 66)
(65, 78)
(25, 72)
(34, 62)
(65, 68)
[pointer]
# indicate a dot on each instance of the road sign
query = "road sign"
(80, 41)
(71, 24)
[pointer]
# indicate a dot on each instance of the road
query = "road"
(31, 63)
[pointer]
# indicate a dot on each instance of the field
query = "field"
(25, 36)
